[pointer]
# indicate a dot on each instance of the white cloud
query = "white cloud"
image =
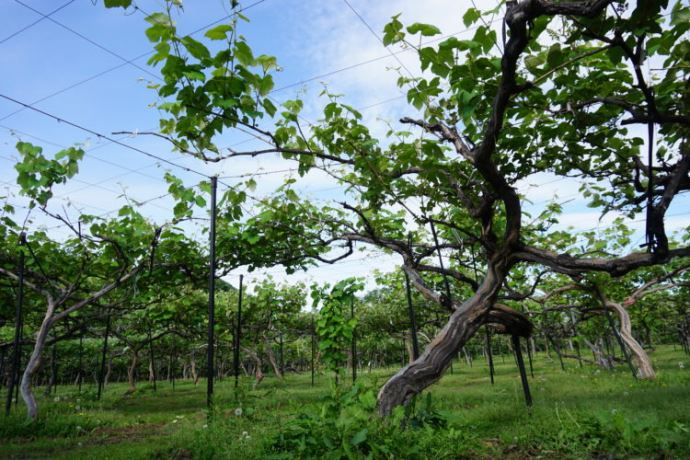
(333, 37)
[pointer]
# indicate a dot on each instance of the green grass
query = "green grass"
(579, 413)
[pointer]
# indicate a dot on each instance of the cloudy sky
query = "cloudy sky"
(87, 65)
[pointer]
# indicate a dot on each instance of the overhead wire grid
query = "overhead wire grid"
(131, 62)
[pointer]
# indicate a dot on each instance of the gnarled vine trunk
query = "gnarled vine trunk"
(272, 358)
(34, 363)
(641, 358)
(461, 326)
(601, 359)
(192, 369)
(258, 373)
(49, 320)
(131, 371)
(152, 374)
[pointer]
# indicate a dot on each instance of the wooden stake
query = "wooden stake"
(16, 355)
(626, 355)
(354, 343)
(211, 297)
(413, 318)
(521, 367)
(529, 357)
(81, 358)
(238, 328)
(313, 345)
(152, 360)
(489, 355)
(101, 375)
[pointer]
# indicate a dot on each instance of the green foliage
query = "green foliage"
(392, 32)
(187, 198)
(38, 174)
(422, 415)
(345, 427)
(338, 429)
(580, 413)
(426, 30)
(283, 231)
(332, 326)
(117, 3)
(51, 424)
(471, 16)
(206, 93)
(219, 32)
(614, 434)
(553, 125)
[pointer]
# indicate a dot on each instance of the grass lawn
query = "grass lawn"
(579, 413)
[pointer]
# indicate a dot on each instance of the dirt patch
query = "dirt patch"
(114, 435)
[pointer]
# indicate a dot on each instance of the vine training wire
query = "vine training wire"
(103, 136)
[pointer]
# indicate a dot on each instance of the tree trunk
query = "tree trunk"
(108, 371)
(533, 346)
(131, 371)
(468, 357)
(152, 375)
(600, 358)
(34, 362)
(461, 326)
(192, 369)
(272, 358)
(410, 350)
(644, 364)
(258, 373)
(557, 348)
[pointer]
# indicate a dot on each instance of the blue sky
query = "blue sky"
(310, 39)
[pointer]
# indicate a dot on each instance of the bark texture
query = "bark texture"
(272, 358)
(645, 370)
(131, 372)
(34, 363)
(429, 367)
(258, 373)
(601, 359)
(192, 369)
